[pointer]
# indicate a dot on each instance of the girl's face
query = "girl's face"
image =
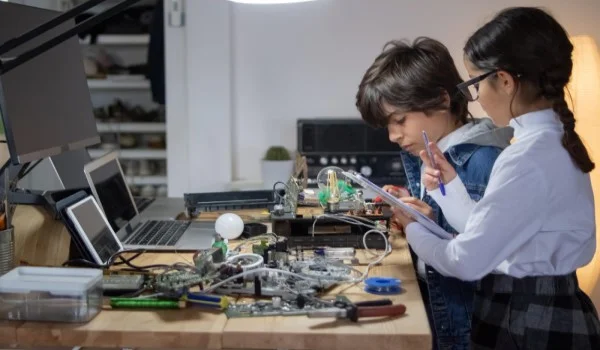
(495, 93)
(406, 128)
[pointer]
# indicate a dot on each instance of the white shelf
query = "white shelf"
(119, 39)
(139, 153)
(147, 180)
(118, 84)
(131, 127)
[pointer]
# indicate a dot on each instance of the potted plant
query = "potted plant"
(277, 165)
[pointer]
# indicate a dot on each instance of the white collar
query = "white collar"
(533, 121)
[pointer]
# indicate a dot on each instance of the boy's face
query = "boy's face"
(406, 128)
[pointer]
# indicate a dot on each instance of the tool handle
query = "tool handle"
(380, 302)
(379, 311)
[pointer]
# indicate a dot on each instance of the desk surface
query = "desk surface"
(201, 329)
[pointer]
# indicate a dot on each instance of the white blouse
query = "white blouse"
(536, 217)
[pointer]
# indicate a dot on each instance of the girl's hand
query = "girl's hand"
(431, 175)
(419, 206)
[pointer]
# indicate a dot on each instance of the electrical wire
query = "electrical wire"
(112, 261)
(260, 270)
(373, 228)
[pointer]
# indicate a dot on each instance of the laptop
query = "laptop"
(68, 166)
(109, 187)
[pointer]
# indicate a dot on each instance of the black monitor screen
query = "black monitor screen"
(45, 103)
(113, 194)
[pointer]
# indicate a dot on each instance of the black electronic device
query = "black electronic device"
(350, 144)
(329, 232)
(77, 249)
(122, 284)
(254, 229)
(196, 203)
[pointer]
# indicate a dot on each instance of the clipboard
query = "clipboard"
(395, 202)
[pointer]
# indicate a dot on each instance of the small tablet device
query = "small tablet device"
(94, 230)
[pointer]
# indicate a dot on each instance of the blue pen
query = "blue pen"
(430, 155)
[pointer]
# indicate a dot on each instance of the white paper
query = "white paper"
(395, 202)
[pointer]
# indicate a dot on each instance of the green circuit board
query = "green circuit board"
(278, 308)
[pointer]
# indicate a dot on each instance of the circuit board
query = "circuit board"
(278, 307)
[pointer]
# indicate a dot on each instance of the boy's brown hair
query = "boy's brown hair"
(415, 78)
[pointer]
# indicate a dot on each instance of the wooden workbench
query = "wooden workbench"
(42, 240)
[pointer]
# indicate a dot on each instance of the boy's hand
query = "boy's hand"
(400, 218)
(419, 205)
(396, 191)
(431, 176)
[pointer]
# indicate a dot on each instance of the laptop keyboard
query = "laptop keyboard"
(159, 232)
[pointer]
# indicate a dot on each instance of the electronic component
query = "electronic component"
(299, 305)
(254, 229)
(206, 300)
(175, 282)
(246, 261)
(320, 275)
(196, 203)
(338, 253)
(121, 284)
(329, 232)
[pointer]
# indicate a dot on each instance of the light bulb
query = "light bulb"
(323, 176)
(229, 226)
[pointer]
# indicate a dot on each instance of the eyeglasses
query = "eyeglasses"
(470, 88)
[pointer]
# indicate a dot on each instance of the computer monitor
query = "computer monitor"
(45, 103)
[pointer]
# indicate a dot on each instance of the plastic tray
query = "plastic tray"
(53, 294)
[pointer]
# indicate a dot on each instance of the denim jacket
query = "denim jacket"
(449, 302)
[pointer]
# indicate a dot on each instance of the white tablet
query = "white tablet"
(94, 230)
(395, 202)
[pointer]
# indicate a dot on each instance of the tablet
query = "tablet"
(94, 230)
(395, 202)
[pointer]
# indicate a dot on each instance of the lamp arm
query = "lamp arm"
(54, 22)
(79, 28)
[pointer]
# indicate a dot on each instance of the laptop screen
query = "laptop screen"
(113, 194)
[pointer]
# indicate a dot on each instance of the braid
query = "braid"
(571, 140)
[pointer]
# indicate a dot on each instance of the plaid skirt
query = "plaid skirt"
(545, 312)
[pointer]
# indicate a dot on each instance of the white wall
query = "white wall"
(302, 60)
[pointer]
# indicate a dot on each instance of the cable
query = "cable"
(259, 270)
(30, 168)
(356, 220)
(111, 261)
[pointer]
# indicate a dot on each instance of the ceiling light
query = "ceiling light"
(266, 2)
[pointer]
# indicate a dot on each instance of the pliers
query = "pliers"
(354, 311)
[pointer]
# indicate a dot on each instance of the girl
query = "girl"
(411, 88)
(535, 224)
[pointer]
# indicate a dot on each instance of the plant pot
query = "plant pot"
(276, 170)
